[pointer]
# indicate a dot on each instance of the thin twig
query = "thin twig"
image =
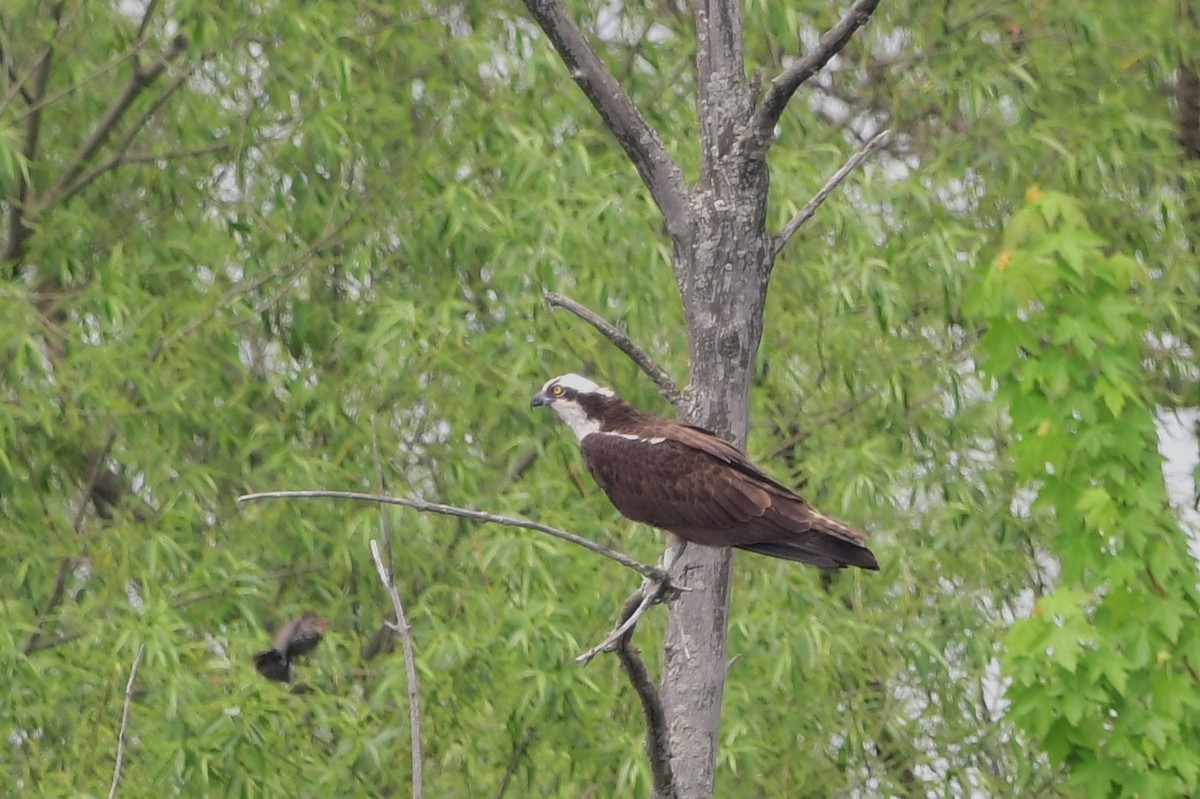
(385, 526)
(640, 140)
(42, 644)
(133, 88)
(658, 739)
(810, 208)
(388, 576)
(401, 629)
(144, 25)
(641, 600)
(66, 564)
(666, 386)
(650, 572)
(119, 157)
(759, 132)
(19, 228)
(514, 760)
(133, 670)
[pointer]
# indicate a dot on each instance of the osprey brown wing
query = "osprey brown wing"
(670, 485)
(788, 504)
(679, 479)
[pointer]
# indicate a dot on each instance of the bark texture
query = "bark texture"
(722, 270)
(722, 257)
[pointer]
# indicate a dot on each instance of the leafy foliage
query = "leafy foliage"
(1104, 669)
(345, 213)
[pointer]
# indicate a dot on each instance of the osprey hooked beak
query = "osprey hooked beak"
(540, 399)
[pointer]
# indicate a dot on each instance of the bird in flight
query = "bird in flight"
(298, 637)
(694, 485)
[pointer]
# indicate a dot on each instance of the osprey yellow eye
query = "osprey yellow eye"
(556, 391)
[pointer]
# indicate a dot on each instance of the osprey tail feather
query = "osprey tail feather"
(817, 549)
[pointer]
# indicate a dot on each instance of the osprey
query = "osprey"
(696, 486)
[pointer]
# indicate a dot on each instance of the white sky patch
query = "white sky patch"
(1177, 430)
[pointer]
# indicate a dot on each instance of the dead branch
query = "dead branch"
(133, 670)
(401, 628)
(759, 132)
(810, 208)
(387, 576)
(649, 572)
(637, 137)
(658, 740)
(666, 386)
(640, 601)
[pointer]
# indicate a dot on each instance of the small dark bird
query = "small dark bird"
(693, 484)
(298, 637)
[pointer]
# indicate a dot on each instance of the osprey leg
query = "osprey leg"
(673, 552)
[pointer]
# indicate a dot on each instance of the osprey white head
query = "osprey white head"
(563, 393)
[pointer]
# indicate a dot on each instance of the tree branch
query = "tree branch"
(18, 227)
(388, 577)
(144, 24)
(137, 83)
(133, 670)
(401, 628)
(723, 95)
(810, 208)
(640, 140)
(120, 155)
(62, 22)
(514, 760)
(649, 572)
(759, 133)
(666, 386)
(658, 740)
(66, 564)
(635, 607)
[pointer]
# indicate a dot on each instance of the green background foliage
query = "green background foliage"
(325, 217)
(1104, 669)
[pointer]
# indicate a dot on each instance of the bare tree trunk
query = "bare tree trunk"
(722, 273)
(723, 281)
(722, 256)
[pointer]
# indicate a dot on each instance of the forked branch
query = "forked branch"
(402, 629)
(757, 137)
(666, 386)
(640, 601)
(141, 78)
(639, 139)
(387, 576)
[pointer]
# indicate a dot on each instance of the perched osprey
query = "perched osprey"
(298, 637)
(692, 484)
